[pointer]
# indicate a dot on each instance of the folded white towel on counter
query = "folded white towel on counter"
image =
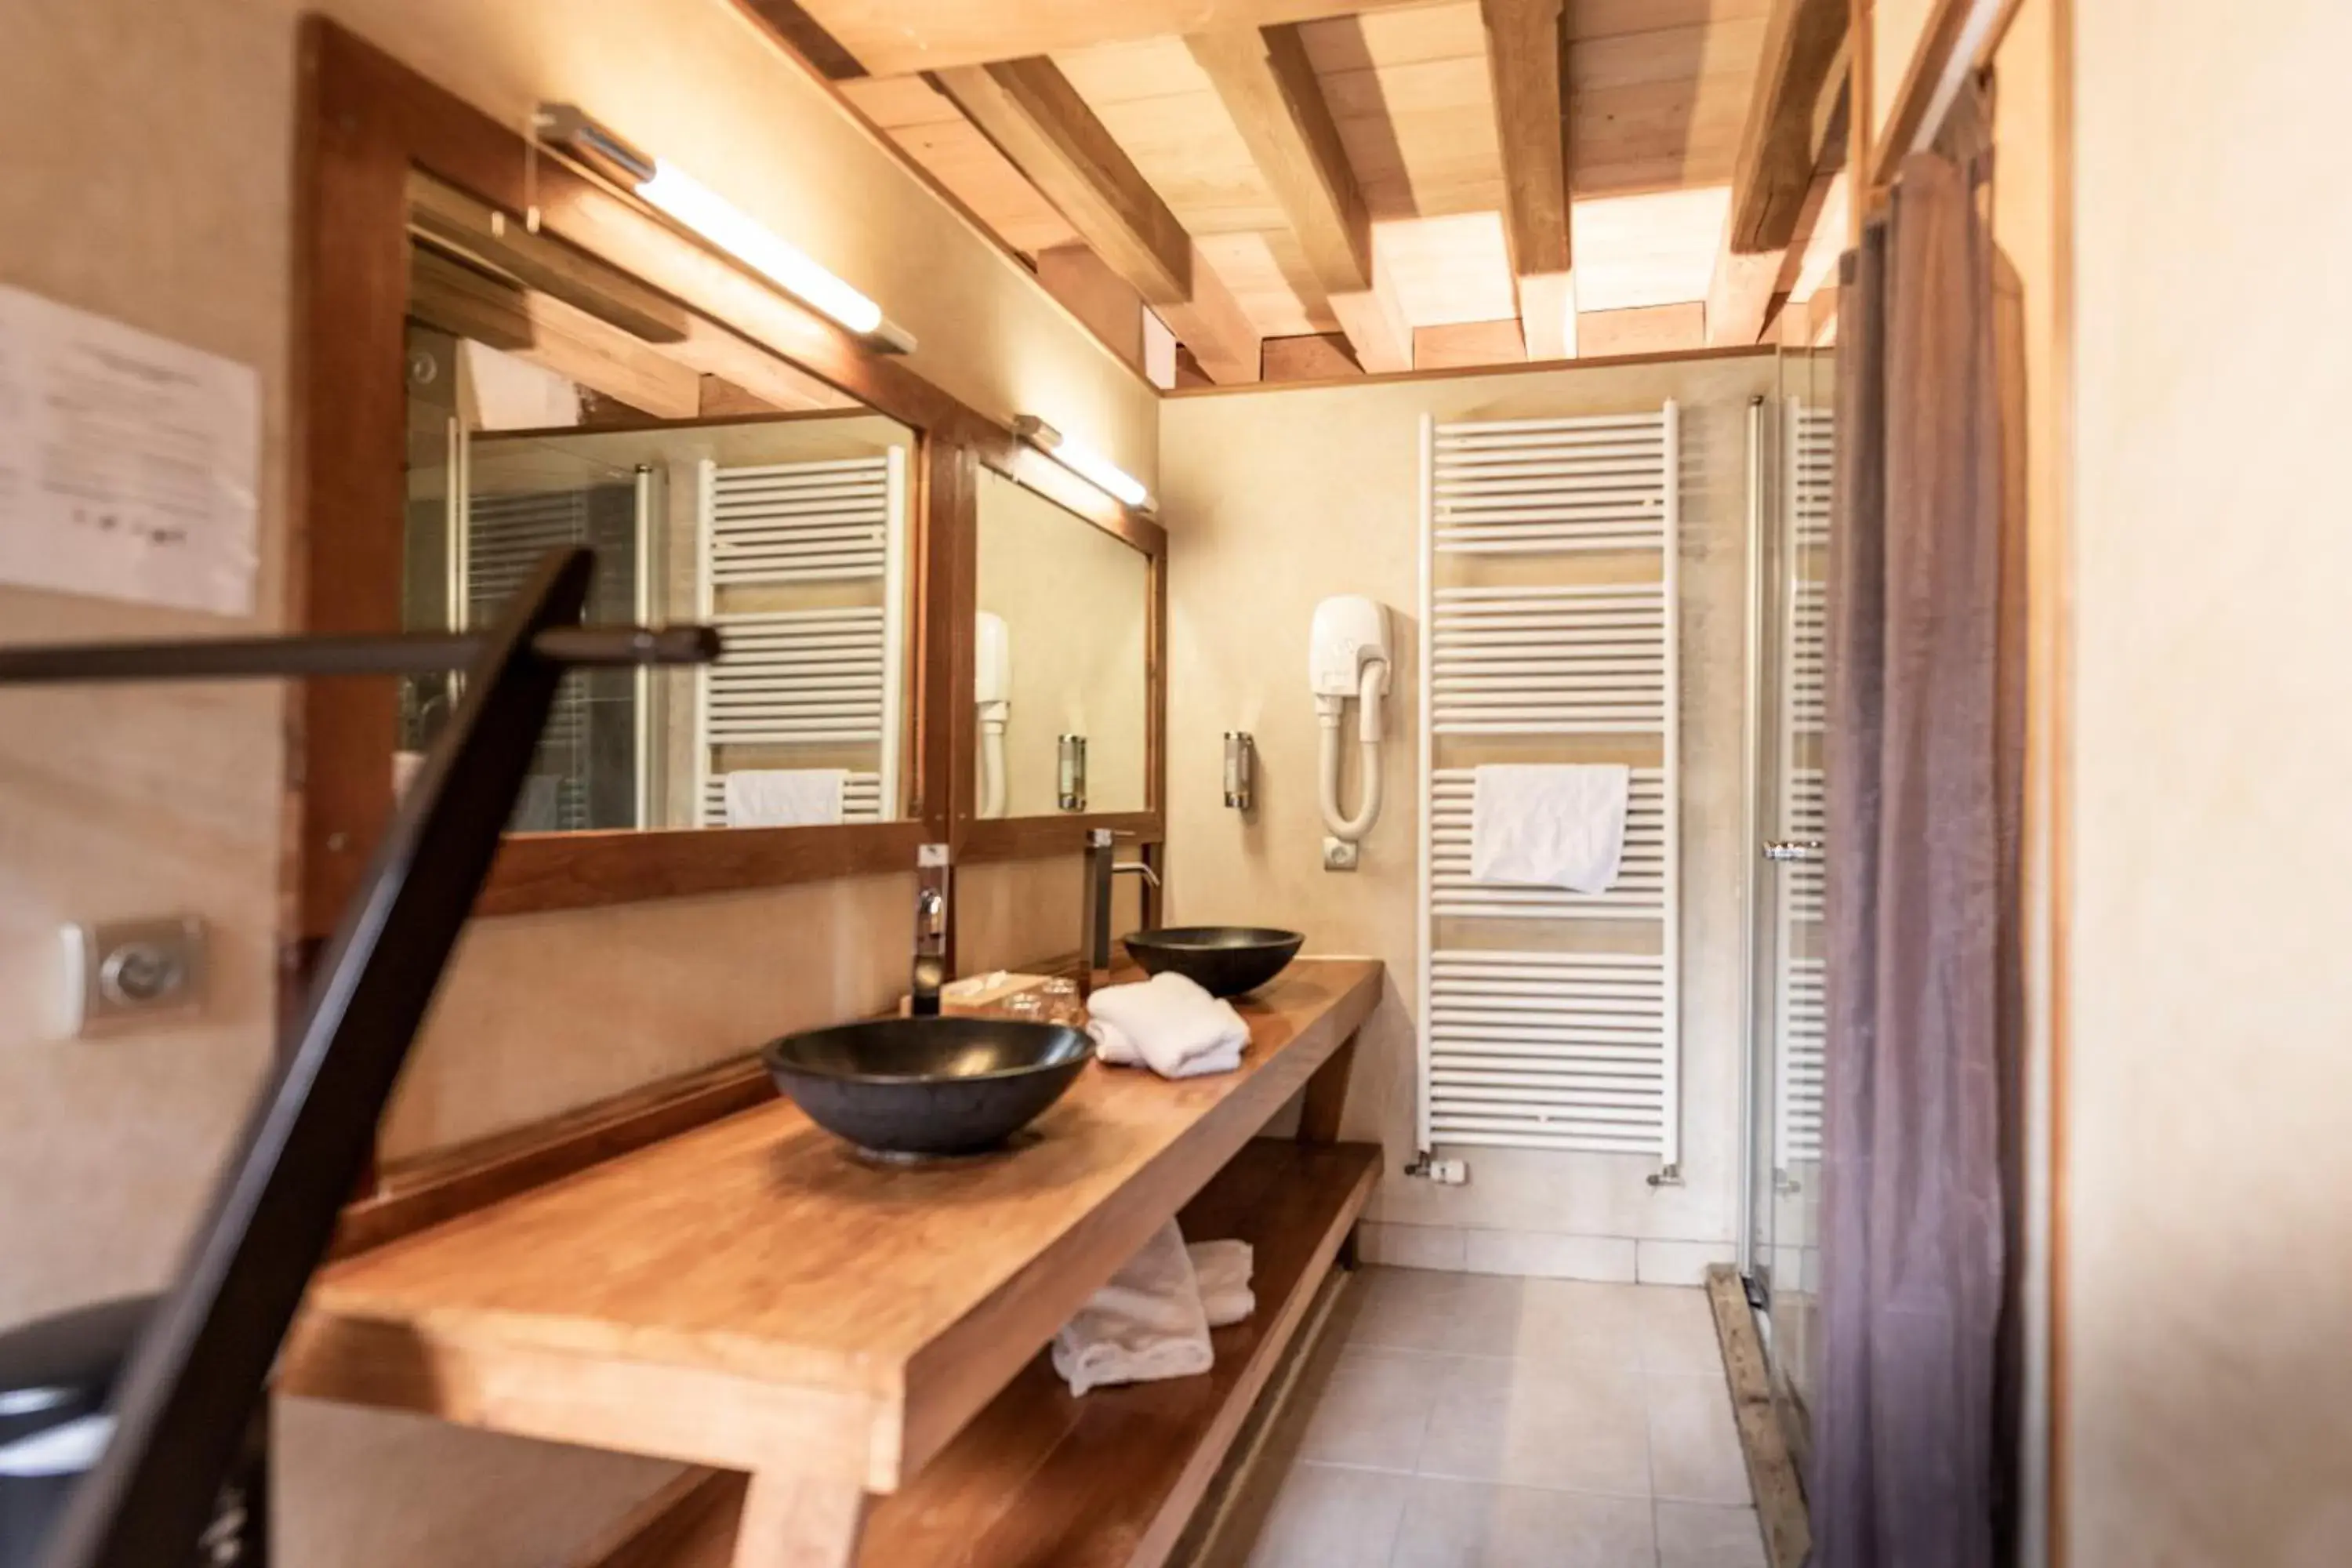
(1114, 1047)
(1145, 1325)
(784, 797)
(1549, 826)
(1168, 1024)
(1222, 1268)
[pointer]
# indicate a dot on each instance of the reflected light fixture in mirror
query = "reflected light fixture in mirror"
(670, 190)
(1084, 461)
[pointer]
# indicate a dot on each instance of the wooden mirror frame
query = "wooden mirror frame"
(978, 839)
(366, 124)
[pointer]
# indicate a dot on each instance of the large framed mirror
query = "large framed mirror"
(1068, 621)
(784, 519)
(496, 348)
(504, 352)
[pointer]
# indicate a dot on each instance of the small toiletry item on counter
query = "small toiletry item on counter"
(1168, 1024)
(1152, 1321)
(1063, 1003)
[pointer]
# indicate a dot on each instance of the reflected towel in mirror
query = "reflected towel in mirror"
(1552, 825)
(784, 797)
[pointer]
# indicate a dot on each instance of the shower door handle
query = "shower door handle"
(1807, 850)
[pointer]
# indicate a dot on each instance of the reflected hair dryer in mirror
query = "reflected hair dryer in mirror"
(991, 691)
(1348, 656)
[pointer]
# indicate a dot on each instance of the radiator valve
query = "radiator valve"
(1445, 1172)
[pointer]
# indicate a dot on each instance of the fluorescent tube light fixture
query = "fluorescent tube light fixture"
(1084, 461)
(670, 190)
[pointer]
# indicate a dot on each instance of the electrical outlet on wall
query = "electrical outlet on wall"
(121, 973)
(1338, 854)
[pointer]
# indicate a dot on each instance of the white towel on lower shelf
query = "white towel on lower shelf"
(1551, 825)
(1222, 1268)
(1147, 1324)
(784, 797)
(1168, 1024)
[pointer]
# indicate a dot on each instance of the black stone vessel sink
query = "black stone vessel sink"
(1223, 960)
(928, 1086)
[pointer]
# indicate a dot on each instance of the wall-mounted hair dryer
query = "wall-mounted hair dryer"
(991, 691)
(1348, 656)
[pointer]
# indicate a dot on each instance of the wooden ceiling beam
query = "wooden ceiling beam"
(1749, 291)
(1268, 85)
(807, 37)
(1645, 329)
(1317, 356)
(1774, 169)
(1036, 118)
(908, 35)
(1526, 60)
(1740, 295)
(1104, 302)
(1748, 288)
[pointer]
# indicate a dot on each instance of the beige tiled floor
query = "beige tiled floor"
(1477, 1421)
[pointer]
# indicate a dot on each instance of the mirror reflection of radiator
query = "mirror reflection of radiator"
(1548, 622)
(1800, 995)
(597, 713)
(803, 573)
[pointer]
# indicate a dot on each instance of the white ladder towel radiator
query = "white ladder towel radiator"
(1548, 622)
(1799, 990)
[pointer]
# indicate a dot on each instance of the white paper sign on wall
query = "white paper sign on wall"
(129, 464)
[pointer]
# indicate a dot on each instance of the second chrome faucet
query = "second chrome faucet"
(1102, 867)
(930, 930)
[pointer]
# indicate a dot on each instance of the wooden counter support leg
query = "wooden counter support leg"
(1327, 1097)
(799, 1521)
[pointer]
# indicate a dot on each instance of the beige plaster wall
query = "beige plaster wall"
(1896, 27)
(153, 183)
(2206, 1150)
(1277, 499)
(1074, 600)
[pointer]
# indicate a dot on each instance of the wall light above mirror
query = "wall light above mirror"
(712, 217)
(780, 515)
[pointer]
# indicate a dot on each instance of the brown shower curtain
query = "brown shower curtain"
(1913, 1440)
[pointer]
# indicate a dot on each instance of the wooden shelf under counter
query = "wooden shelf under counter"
(752, 1298)
(1106, 1480)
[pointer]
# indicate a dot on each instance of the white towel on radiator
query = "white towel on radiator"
(1222, 1268)
(1549, 826)
(784, 797)
(1168, 1024)
(1147, 1324)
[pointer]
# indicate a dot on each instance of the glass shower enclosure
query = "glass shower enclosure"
(1792, 444)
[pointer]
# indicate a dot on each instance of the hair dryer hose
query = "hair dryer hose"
(1368, 734)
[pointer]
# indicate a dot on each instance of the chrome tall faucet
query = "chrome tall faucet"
(930, 930)
(1102, 865)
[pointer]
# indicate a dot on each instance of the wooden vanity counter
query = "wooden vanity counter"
(753, 1297)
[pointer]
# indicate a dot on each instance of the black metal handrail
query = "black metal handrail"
(182, 1406)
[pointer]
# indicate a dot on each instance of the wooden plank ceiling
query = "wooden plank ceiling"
(1262, 171)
